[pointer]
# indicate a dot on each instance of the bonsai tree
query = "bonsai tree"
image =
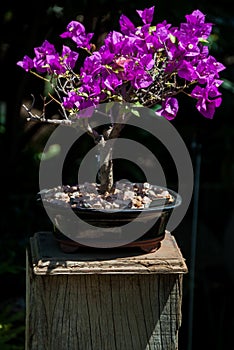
(147, 65)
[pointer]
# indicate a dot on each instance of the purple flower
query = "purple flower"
(112, 81)
(158, 38)
(147, 61)
(186, 71)
(92, 64)
(27, 63)
(126, 26)
(208, 98)
(148, 65)
(208, 68)
(69, 57)
(114, 42)
(72, 100)
(86, 110)
(76, 31)
(146, 15)
(169, 108)
(106, 55)
(43, 55)
(141, 79)
(54, 65)
(196, 26)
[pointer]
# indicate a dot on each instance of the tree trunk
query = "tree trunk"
(106, 176)
(106, 167)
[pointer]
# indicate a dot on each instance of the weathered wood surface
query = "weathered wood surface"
(47, 258)
(97, 307)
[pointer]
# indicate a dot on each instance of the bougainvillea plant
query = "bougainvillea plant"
(147, 65)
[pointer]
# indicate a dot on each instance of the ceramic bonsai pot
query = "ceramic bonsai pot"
(108, 227)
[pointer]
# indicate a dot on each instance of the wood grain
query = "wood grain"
(102, 311)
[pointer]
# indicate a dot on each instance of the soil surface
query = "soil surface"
(124, 195)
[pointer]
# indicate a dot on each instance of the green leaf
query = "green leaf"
(172, 38)
(228, 85)
(53, 151)
(135, 112)
(204, 42)
(156, 107)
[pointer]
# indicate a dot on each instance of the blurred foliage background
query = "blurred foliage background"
(25, 25)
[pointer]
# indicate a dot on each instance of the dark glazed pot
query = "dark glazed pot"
(150, 221)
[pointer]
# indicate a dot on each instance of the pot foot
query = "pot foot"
(146, 246)
(151, 249)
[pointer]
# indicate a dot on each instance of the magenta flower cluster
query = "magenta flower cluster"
(147, 65)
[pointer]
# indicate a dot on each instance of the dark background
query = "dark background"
(25, 25)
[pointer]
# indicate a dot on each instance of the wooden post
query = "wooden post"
(103, 299)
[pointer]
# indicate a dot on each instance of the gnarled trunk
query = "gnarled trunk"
(106, 176)
(106, 168)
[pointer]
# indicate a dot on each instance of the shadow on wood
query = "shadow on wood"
(83, 301)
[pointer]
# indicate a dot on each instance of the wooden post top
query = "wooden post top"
(47, 258)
